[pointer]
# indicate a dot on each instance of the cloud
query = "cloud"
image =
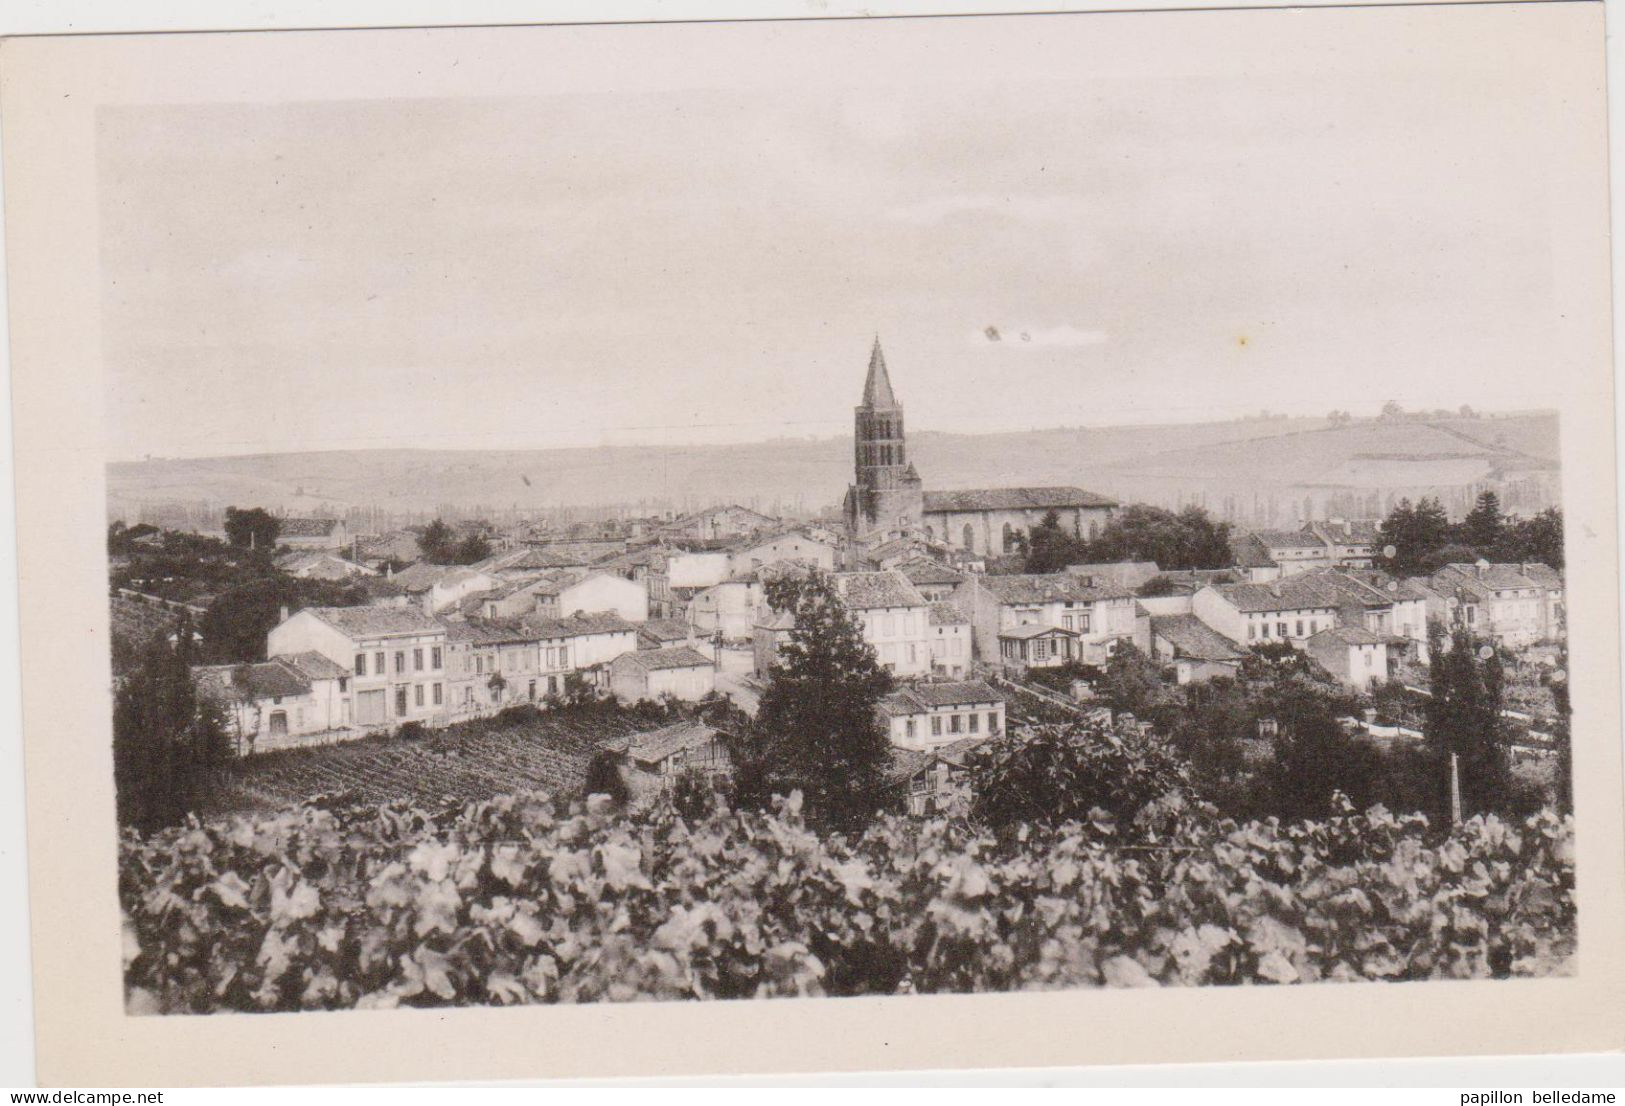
(1038, 337)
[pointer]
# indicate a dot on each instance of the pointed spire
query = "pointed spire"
(877, 389)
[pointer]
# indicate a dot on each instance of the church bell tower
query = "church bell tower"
(886, 500)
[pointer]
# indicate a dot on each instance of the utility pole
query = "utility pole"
(1455, 790)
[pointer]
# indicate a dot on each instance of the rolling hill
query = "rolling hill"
(1233, 467)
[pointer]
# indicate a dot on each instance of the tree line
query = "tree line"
(1423, 538)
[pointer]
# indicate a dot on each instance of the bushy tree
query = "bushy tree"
(1463, 718)
(1189, 539)
(167, 739)
(235, 626)
(816, 727)
(1533, 539)
(438, 543)
(604, 777)
(1050, 548)
(1124, 786)
(1417, 534)
(253, 527)
(471, 549)
(1133, 682)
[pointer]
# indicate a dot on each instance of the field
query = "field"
(464, 763)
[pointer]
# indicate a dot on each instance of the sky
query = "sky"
(1073, 231)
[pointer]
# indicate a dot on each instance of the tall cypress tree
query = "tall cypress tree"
(816, 726)
(167, 740)
(1464, 717)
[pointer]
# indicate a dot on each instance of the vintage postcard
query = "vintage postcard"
(817, 544)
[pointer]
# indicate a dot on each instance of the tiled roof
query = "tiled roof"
(923, 570)
(1351, 588)
(1130, 574)
(1057, 587)
(365, 622)
(1248, 552)
(306, 527)
(1289, 539)
(904, 763)
(265, 680)
(955, 751)
(755, 541)
(666, 629)
(1543, 574)
(1353, 532)
(529, 559)
(313, 665)
(1032, 630)
(1290, 593)
(1350, 635)
(420, 577)
(956, 693)
(871, 590)
(677, 656)
(1395, 588)
(1013, 499)
(946, 614)
(709, 512)
(577, 625)
(1498, 576)
(656, 745)
(1193, 638)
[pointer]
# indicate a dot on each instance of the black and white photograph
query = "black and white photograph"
(873, 509)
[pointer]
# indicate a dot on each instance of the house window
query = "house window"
(417, 694)
(400, 663)
(992, 721)
(908, 727)
(1300, 627)
(417, 660)
(1252, 631)
(378, 664)
(974, 719)
(434, 658)
(956, 724)
(1066, 622)
(911, 654)
(1280, 628)
(1083, 622)
(344, 683)
(400, 702)
(1265, 630)
(439, 695)
(936, 725)
(361, 664)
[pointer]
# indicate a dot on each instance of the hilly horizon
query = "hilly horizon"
(1227, 465)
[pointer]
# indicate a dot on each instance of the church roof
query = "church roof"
(1009, 499)
(877, 388)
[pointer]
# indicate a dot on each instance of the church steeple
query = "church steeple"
(877, 389)
(885, 497)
